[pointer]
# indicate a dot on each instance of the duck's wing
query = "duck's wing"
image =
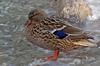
(67, 27)
(72, 30)
(76, 35)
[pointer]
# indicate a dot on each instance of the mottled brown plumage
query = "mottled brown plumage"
(39, 30)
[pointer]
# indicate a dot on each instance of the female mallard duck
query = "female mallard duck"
(53, 34)
(76, 11)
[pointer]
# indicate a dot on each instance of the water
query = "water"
(16, 51)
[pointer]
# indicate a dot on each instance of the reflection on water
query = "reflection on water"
(14, 49)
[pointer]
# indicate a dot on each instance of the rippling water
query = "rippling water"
(14, 49)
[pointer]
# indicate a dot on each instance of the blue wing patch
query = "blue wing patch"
(60, 34)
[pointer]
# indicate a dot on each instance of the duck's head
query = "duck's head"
(36, 14)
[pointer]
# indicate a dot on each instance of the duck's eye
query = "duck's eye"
(32, 14)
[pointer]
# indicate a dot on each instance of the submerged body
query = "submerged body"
(52, 34)
(76, 11)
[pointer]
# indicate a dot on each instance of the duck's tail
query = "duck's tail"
(86, 43)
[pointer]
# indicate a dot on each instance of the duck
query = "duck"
(75, 11)
(55, 35)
